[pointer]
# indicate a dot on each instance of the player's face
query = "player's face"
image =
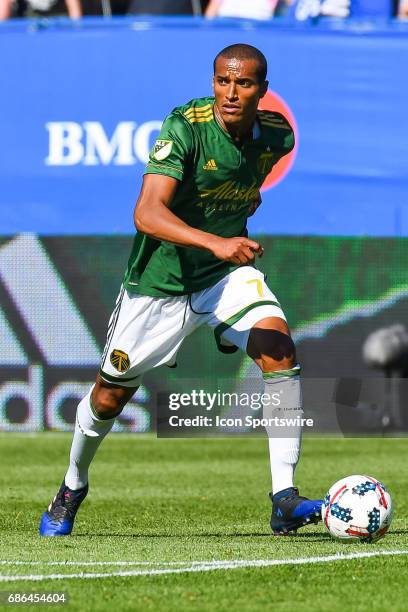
(237, 91)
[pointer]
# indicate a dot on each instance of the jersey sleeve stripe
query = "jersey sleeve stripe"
(208, 113)
(199, 109)
(201, 120)
(191, 114)
(164, 166)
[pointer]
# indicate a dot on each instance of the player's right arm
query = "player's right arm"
(153, 215)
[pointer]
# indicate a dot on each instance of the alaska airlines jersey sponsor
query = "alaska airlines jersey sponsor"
(219, 179)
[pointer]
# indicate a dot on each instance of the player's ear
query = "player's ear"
(264, 88)
(213, 82)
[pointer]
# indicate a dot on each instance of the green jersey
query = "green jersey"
(219, 180)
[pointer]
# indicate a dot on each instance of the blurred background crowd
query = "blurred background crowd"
(245, 9)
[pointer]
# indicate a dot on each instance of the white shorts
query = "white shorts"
(146, 332)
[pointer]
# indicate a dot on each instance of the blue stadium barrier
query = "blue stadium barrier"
(82, 103)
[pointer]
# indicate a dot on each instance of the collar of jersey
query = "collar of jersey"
(256, 132)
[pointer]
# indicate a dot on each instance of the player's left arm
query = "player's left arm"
(255, 205)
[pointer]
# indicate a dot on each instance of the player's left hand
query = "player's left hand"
(238, 250)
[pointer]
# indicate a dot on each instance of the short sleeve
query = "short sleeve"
(172, 148)
(289, 141)
(285, 131)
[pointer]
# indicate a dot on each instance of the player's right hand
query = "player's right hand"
(239, 250)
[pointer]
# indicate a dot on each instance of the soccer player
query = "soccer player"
(192, 263)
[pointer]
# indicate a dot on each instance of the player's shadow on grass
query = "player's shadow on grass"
(397, 532)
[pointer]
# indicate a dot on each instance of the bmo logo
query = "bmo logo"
(273, 102)
(88, 144)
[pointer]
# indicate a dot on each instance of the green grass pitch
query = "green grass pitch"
(175, 504)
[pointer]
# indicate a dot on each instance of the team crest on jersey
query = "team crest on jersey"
(120, 360)
(162, 149)
(265, 163)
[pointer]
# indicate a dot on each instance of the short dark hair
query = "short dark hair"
(242, 51)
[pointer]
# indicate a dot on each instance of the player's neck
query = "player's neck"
(239, 133)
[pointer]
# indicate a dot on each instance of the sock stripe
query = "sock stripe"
(277, 374)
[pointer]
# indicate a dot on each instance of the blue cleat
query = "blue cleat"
(58, 520)
(291, 511)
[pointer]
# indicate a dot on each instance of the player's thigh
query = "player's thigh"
(237, 303)
(143, 333)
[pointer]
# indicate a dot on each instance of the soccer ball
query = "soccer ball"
(357, 508)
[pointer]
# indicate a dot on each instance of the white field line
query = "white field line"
(206, 566)
(110, 563)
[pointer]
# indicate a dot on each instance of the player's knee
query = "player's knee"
(271, 349)
(106, 405)
(108, 402)
(269, 364)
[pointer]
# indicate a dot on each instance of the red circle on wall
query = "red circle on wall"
(273, 102)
